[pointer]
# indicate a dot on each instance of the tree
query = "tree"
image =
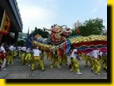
(91, 27)
(21, 43)
(41, 32)
(73, 32)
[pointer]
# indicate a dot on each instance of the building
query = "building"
(76, 25)
(104, 31)
(16, 26)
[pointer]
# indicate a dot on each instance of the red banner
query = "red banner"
(5, 25)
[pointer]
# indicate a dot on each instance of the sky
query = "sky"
(44, 13)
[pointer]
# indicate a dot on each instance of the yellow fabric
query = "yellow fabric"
(59, 59)
(23, 58)
(14, 53)
(39, 61)
(54, 61)
(83, 56)
(42, 56)
(28, 58)
(75, 65)
(105, 62)
(93, 64)
(10, 57)
(64, 59)
(97, 66)
(88, 60)
(1, 61)
(20, 53)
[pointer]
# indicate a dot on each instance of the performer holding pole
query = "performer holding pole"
(55, 58)
(37, 59)
(96, 62)
(23, 50)
(28, 57)
(105, 61)
(74, 61)
(10, 57)
(3, 56)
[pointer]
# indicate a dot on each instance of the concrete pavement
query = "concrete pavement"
(19, 71)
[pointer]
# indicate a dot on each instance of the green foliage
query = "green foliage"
(21, 43)
(73, 32)
(91, 27)
(41, 32)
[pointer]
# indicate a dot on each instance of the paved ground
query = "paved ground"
(18, 71)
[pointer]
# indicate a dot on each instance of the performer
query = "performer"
(14, 52)
(83, 56)
(96, 67)
(104, 56)
(46, 54)
(42, 54)
(88, 59)
(3, 56)
(101, 58)
(50, 54)
(37, 59)
(19, 51)
(0, 59)
(74, 61)
(28, 57)
(23, 51)
(60, 54)
(10, 57)
(55, 58)
(65, 59)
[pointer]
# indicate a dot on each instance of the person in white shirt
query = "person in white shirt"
(37, 59)
(74, 61)
(11, 48)
(101, 53)
(73, 54)
(36, 52)
(95, 53)
(23, 49)
(96, 62)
